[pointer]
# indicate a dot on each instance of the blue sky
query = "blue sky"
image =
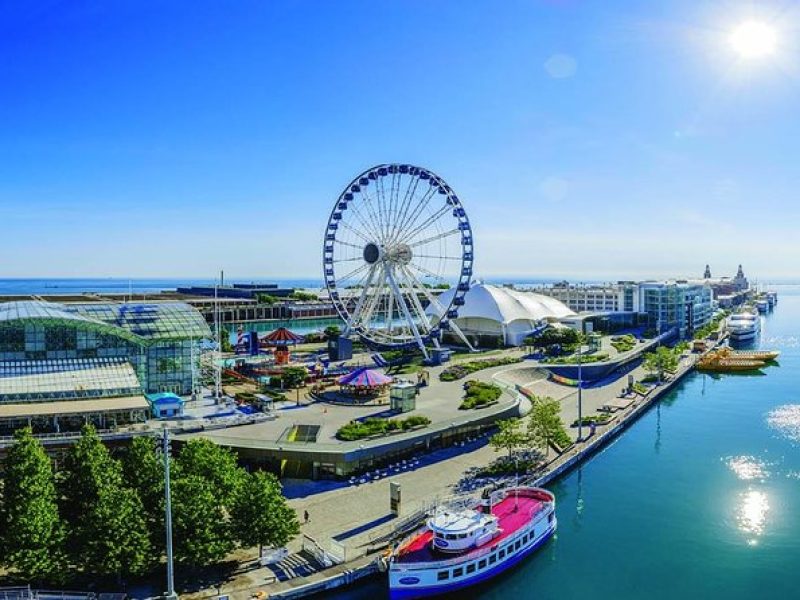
(587, 139)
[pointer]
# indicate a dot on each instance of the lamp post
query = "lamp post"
(170, 595)
(580, 388)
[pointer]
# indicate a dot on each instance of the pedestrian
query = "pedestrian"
(305, 516)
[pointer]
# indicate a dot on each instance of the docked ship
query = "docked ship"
(460, 547)
(726, 360)
(743, 326)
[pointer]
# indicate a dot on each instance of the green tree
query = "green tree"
(108, 533)
(303, 296)
(266, 299)
(201, 531)
(509, 437)
(33, 533)
(660, 360)
(331, 332)
(544, 424)
(260, 515)
(294, 376)
(225, 340)
(143, 471)
(215, 464)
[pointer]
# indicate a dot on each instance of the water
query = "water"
(698, 499)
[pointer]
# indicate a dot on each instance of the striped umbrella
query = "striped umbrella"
(281, 337)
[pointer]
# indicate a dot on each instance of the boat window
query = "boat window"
(458, 572)
(451, 536)
(493, 559)
(482, 563)
(442, 575)
(518, 544)
(462, 536)
(525, 539)
(471, 568)
(550, 518)
(502, 553)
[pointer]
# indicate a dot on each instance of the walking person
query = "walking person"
(305, 516)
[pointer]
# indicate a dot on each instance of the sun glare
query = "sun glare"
(753, 39)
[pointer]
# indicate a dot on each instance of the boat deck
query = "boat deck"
(510, 520)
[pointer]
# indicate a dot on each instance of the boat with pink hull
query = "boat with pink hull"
(461, 547)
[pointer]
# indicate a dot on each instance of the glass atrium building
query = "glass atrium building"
(85, 352)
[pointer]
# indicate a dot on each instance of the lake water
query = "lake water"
(698, 499)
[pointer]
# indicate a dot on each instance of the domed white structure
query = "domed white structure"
(511, 315)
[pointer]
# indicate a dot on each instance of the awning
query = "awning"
(72, 407)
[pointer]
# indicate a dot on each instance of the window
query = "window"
(517, 544)
(550, 518)
(493, 559)
(458, 572)
(442, 575)
(502, 553)
(525, 539)
(482, 563)
(471, 568)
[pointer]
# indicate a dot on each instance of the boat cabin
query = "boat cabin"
(462, 530)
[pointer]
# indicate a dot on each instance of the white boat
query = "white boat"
(762, 305)
(460, 547)
(744, 326)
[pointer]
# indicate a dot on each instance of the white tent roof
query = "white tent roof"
(506, 305)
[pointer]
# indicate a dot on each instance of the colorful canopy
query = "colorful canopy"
(281, 337)
(364, 377)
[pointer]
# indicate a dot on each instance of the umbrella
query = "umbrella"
(365, 378)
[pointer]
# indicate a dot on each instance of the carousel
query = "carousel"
(280, 340)
(364, 383)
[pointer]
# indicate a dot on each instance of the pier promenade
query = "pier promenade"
(356, 519)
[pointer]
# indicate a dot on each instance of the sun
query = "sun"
(753, 39)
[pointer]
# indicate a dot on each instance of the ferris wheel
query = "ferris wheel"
(396, 237)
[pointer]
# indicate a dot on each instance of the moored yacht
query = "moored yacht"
(744, 326)
(461, 547)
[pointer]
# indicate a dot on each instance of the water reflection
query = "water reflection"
(786, 421)
(747, 468)
(752, 514)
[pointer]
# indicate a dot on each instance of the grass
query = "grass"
(640, 388)
(480, 394)
(372, 426)
(462, 369)
(585, 359)
(600, 419)
(623, 343)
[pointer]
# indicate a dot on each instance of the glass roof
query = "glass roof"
(32, 380)
(145, 323)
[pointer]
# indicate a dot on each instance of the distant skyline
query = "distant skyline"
(588, 140)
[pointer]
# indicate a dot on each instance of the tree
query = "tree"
(143, 471)
(201, 531)
(332, 332)
(215, 464)
(261, 517)
(660, 360)
(544, 424)
(225, 341)
(33, 533)
(266, 299)
(294, 376)
(303, 296)
(509, 437)
(108, 533)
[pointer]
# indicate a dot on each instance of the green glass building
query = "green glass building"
(89, 360)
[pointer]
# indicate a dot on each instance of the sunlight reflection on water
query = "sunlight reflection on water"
(747, 468)
(752, 514)
(786, 421)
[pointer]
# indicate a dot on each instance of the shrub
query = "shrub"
(357, 430)
(584, 359)
(600, 419)
(479, 394)
(463, 369)
(623, 343)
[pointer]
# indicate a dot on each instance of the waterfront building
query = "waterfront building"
(679, 303)
(493, 315)
(65, 364)
(609, 297)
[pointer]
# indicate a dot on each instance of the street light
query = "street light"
(170, 595)
(580, 388)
